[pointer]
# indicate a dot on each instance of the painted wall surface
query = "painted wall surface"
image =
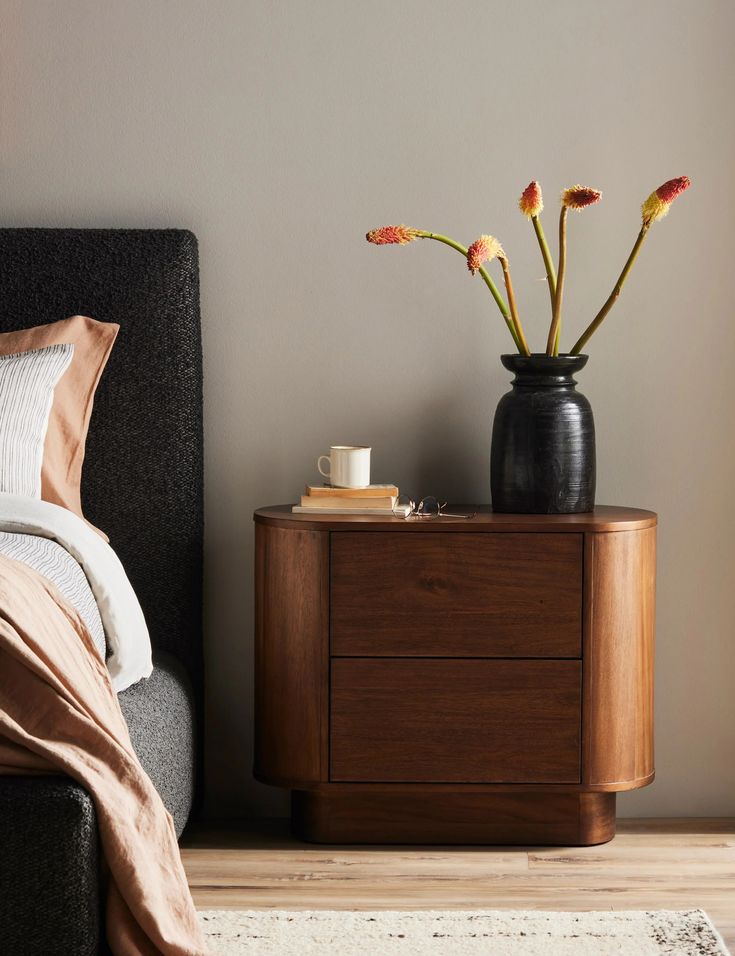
(280, 132)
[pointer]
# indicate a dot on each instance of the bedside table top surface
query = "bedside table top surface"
(603, 518)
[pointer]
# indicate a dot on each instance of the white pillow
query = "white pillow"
(27, 382)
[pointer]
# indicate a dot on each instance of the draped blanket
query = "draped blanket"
(59, 714)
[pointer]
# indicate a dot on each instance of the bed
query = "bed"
(142, 483)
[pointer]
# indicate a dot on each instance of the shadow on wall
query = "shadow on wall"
(444, 450)
(451, 462)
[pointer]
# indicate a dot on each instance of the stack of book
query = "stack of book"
(371, 500)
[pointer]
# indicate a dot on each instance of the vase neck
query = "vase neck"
(535, 379)
(544, 371)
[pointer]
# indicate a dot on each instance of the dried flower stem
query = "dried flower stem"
(546, 253)
(550, 270)
(522, 343)
(555, 328)
(504, 311)
(613, 297)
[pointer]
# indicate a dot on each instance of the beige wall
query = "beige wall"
(279, 132)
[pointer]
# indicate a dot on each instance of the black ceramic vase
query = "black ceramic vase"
(543, 449)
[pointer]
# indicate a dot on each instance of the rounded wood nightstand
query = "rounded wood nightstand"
(455, 681)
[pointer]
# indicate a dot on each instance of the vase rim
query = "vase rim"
(541, 362)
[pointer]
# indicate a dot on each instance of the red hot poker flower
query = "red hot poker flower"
(671, 189)
(392, 235)
(577, 197)
(482, 250)
(656, 206)
(531, 202)
(658, 203)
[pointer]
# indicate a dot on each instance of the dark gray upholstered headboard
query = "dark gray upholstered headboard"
(142, 480)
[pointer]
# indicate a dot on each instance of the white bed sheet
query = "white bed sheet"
(128, 641)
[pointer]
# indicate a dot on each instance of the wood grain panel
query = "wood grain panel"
(482, 595)
(620, 570)
(363, 815)
(291, 655)
(466, 721)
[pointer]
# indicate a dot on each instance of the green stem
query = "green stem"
(556, 314)
(550, 271)
(514, 307)
(558, 337)
(504, 311)
(612, 298)
(546, 254)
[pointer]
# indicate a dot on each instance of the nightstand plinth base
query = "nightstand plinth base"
(400, 814)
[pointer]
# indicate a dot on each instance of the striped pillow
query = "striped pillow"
(27, 382)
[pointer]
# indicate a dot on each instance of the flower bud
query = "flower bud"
(577, 197)
(388, 235)
(531, 202)
(483, 250)
(658, 203)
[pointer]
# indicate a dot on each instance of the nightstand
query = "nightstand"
(484, 680)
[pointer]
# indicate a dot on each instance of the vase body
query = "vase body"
(542, 459)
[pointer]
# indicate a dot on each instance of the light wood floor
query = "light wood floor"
(651, 864)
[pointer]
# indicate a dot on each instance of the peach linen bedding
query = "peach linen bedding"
(59, 714)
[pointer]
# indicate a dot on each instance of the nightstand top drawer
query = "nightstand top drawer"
(439, 595)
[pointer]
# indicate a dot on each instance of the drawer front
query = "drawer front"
(424, 594)
(455, 721)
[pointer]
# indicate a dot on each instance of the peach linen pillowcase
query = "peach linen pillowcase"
(63, 453)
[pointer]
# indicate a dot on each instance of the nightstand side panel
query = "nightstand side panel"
(291, 656)
(620, 596)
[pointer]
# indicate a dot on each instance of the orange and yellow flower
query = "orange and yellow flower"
(658, 203)
(531, 202)
(483, 250)
(577, 197)
(393, 235)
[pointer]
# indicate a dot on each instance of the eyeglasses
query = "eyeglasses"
(428, 507)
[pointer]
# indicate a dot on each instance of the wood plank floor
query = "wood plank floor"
(651, 864)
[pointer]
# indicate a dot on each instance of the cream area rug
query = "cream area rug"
(461, 933)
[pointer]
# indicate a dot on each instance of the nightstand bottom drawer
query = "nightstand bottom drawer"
(455, 721)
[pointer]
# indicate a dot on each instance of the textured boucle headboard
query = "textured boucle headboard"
(142, 479)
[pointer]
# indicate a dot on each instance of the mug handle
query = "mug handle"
(324, 474)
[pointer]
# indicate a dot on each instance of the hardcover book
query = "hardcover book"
(401, 511)
(339, 501)
(369, 491)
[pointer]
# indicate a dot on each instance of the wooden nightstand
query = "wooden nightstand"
(455, 681)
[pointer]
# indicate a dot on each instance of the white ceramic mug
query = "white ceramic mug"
(348, 466)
